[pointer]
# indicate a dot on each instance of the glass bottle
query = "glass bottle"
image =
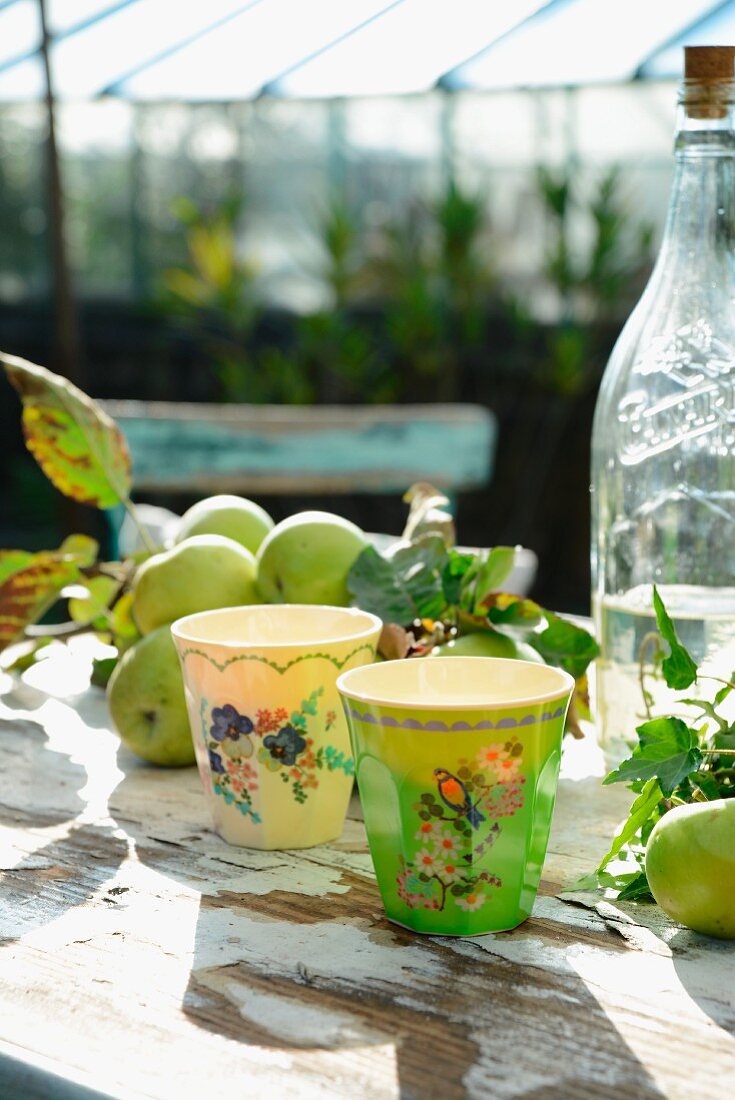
(663, 443)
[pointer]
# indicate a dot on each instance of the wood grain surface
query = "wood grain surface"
(141, 956)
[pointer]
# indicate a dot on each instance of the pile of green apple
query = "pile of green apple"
(226, 552)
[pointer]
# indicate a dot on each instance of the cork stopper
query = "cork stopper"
(708, 75)
(704, 63)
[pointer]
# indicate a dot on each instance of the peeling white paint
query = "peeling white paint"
(348, 951)
(296, 1021)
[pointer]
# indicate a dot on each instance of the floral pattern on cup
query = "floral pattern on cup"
(282, 743)
(457, 826)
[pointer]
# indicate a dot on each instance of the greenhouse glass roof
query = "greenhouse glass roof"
(228, 50)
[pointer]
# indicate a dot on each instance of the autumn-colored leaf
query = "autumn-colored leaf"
(78, 446)
(13, 560)
(29, 592)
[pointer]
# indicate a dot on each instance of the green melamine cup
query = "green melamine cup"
(457, 761)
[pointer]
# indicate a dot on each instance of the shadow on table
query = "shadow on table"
(292, 955)
(704, 965)
(41, 791)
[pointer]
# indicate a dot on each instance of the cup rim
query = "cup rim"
(566, 686)
(179, 626)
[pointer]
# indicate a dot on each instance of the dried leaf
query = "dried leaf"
(395, 642)
(13, 560)
(428, 514)
(28, 593)
(77, 445)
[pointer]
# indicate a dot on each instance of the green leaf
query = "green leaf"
(707, 784)
(492, 573)
(678, 668)
(123, 623)
(405, 587)
(722, 694)
(725, 740)
(640, 811)
(504, 609)
(603, 880)
(637, 889)
(706, 708)
(102, 670)
(77, 445)
(455, 570)
(29, 658)
(564, 644)
(82, 549)
(101, 591)
(668, 750)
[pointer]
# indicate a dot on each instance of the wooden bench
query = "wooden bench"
(321, 449)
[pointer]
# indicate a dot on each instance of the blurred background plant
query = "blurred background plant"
(406, 296)
(214, 297)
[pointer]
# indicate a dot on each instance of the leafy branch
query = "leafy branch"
(675, 761)
(84, 454)
(428, 592)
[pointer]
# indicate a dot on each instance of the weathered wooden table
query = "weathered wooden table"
(141, 956)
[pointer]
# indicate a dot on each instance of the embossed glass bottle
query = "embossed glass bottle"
(663, 444)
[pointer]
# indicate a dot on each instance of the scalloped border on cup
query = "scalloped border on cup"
(271, 741)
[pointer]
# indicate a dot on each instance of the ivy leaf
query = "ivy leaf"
(639, 813)
(637, 889)
(404, 587)
(678, 668)
(564, 644)
(707, 784)
(77, 445)
(668, 751)
(491, 574)
(458, 566)
(722, 694)
(601, 880)
(725, 740)
(28, 593)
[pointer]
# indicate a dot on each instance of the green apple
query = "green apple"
(307, 558)
(146, 699)
(690, 864)
(234, 517)
(200, 573)
(489, 643)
